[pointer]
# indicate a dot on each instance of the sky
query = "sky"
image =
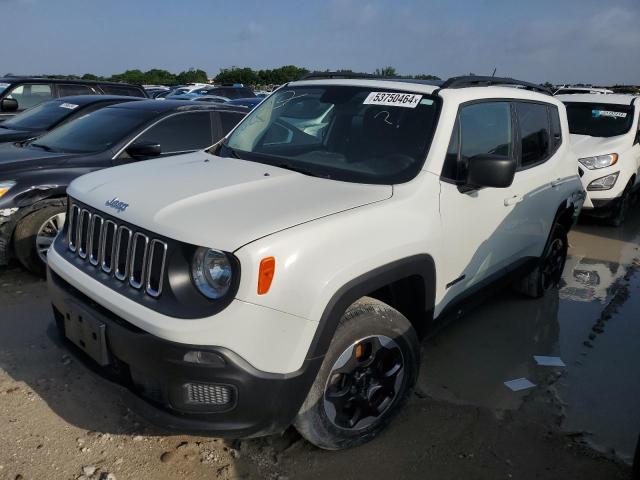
(561, 41)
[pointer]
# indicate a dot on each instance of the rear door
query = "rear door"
(537, 186)
(477, 240)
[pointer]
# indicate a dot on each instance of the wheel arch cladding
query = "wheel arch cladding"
(416, 274)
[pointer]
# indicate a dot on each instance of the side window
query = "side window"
(68, 90)
(181, 133)
(121, 90)
(556, 129)
(30, 95)
(533, 123)
(228, 120)
(484, 128)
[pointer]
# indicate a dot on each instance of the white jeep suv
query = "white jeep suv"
(285, 275)
(606, 136)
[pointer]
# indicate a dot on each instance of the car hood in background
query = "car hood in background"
(586, 146)
(14, 157)
(11, 135)
(218, 202)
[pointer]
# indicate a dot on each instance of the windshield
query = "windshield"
(599, 119)
(3, 86)
(345, 133)
(41, 117)
(96, 131)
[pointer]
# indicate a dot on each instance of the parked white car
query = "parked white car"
(606, 136)
(580, 90)
(286, 275)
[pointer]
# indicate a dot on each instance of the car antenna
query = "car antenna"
(494, 71)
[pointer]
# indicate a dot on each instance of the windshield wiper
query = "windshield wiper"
(295, 168)
(43, 147)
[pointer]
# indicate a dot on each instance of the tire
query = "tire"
(371, 338)
(620, 212)
(548, 272)
(28, 246)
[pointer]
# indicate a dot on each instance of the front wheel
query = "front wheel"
(620, 212)
(35, 233)
(548, 271)
(367, 373)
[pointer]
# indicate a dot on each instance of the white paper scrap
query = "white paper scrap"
(519, 384)
(549, 361)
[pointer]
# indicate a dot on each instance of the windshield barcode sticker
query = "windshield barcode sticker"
(391, 99)
(70, 106)
(607, 113)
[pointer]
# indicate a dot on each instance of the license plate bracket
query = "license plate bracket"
(87, 333)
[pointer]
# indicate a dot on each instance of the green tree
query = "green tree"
(237, 75)
(192, 76)
(385, 72)
(89, 76)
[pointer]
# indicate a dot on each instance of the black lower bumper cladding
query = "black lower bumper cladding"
(221, 394)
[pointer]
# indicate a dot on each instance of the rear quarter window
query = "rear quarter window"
(123, 90)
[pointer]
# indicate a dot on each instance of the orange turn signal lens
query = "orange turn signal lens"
(265, 274)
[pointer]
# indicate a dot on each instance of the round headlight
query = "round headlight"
(211, 272)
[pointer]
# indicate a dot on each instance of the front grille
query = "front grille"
(208, 394)
(130, 256)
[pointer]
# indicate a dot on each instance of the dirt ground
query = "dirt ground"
(58, 420)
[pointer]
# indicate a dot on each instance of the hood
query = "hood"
(217, 202)
(14, 157)
(586, 146)
(11, 135)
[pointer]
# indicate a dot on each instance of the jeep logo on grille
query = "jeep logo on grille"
(118, 205)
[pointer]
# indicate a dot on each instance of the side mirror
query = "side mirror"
(491, 171)
(144, 150)
(9, 105)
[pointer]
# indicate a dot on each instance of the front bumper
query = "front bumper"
(155, 371)
(8, 221)
(597, 199)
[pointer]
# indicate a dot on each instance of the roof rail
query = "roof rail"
(329, 75)
(481, 81)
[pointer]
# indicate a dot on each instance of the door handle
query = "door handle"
(556, 182)
(512, 200)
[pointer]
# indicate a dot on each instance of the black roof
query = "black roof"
(453, 82)
(162, 106)
(89, 99)
(20, 79)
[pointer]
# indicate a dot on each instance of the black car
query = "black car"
(34, 175)
(230, 91)
(40, 119)
(21, 93)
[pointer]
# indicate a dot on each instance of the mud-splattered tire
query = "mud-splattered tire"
(620, 212)
(370, 368)
(548, 272)
(28, 249)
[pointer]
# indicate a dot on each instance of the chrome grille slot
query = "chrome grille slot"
(116, 250)
(72, 227)
(95, 237)
(138, 259)
(84, 221)
(122, 252)
(155, 267)
(108, 245)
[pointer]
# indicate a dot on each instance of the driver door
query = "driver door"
(477, 223)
